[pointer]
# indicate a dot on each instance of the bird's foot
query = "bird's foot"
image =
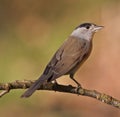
(78, 88)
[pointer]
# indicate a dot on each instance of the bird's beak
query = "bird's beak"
(96, 28)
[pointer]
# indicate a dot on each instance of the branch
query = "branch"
(60, 88)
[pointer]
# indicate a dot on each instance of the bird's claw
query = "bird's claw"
(77, 89)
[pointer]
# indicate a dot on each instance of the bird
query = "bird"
(69, 57)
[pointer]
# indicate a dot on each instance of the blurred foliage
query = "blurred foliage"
(32, 30)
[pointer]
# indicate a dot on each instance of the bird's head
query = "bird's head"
(86, 31)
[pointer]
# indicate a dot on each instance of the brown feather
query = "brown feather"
(69, 57)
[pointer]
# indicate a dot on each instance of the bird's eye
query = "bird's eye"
(87, 27)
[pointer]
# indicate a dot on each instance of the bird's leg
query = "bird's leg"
(78, 84)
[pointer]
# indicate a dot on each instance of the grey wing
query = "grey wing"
(65, 59)
(67, 62)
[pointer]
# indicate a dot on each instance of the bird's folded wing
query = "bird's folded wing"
(66, 58)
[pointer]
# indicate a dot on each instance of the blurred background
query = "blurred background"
(32, 30)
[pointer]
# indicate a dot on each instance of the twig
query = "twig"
(60, 88)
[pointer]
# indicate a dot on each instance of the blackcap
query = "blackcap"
(69, 57)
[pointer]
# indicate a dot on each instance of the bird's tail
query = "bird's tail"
(34, 87)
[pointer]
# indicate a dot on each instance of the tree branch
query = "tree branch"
(6, 87)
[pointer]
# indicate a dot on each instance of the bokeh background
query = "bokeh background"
(32, 30)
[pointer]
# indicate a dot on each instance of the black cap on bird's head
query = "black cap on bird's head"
(89, 25)
(85, 24)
